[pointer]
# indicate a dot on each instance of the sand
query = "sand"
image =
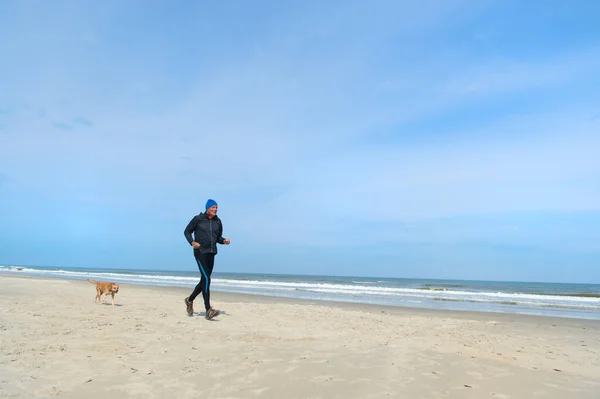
(56, 342)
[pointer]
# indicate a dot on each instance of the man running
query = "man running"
(208, 231)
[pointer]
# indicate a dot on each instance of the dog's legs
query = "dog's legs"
(113, 298)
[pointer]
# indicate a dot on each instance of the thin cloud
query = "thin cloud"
(62, 125)
(82, 121)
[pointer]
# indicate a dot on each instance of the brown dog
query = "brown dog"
(104, 288)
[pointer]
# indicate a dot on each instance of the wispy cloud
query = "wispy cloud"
(82, 121)
(62, 125)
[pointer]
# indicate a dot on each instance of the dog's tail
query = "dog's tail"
(92, 281)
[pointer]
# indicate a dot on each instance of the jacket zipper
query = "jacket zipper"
(211, 236)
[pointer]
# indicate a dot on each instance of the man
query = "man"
(208, 231)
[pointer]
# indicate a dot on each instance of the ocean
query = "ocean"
(547, 299)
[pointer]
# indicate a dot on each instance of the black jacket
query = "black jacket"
(207, 233)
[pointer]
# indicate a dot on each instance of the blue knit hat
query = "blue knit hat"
(210, 202)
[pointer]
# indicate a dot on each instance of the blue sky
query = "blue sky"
(448, 139)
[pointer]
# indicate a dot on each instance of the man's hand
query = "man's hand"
(195, 245)
(226, 241)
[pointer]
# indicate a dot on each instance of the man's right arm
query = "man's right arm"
(188, 230)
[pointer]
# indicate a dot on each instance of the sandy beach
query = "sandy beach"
(56, 342)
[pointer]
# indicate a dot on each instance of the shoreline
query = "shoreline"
(232, 297)
(564, 300)
(561, 301)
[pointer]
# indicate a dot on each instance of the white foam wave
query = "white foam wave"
(353, 289)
